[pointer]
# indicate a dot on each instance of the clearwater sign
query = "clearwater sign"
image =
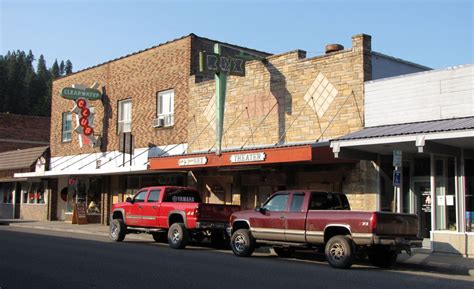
(75, 93)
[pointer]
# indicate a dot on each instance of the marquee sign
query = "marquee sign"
(215, 63)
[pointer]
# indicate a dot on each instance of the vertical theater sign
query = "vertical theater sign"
(82, 95)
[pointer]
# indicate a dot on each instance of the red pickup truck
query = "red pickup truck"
(323, 220)
(173, 213)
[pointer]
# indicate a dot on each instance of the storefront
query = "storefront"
(22, 198)
(248, 177)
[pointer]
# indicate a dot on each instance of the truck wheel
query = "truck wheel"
(383, 257)
(242, 243)
(178, 236)
(339, 252)
(284, 252)
(118, 230)
(159, 237)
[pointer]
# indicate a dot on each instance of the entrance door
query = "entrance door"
(422, 206)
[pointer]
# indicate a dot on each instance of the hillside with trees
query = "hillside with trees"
(24, 88)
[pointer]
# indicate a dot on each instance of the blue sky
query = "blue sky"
(433, 33)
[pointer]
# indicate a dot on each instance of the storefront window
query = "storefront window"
(34, 193)
(84, 190)
(6, 193)
(469, 172)
(445, 194)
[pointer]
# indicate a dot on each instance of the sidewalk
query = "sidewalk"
(421, 259)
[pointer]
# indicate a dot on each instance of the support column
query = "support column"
(221, 81)
(433, 196)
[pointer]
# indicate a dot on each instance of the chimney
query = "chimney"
(333, 48)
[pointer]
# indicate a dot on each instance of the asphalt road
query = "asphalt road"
(42, 259)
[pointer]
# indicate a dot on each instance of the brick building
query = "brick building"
(23, 131)
(278, 121)
(143, 111)
(156, 123)
(23, 141)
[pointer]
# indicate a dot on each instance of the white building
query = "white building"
(429, 117)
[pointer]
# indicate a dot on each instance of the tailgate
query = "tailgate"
(393, 224)
(215, 212)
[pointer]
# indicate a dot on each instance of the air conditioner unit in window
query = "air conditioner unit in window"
(159, 122)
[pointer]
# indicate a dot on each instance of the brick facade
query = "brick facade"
(287, 99)
(138, 77)
(23, 131)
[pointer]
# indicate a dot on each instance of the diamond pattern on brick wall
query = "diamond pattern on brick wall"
(322, 93)
(210, 112)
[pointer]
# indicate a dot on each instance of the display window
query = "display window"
(34, 193)
(84, 190)
(6, 193)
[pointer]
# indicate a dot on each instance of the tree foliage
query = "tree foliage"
(24, 89)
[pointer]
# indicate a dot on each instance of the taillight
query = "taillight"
(373, 222)
(196, 212)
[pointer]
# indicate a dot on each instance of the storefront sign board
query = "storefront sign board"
(192, 161)
(79, 215)
(246, 158)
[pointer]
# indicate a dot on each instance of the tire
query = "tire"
(242, 243)
(160, 237)
(383, 257)
(118, 230)
(284, 252)
(340, 252)
(218, 240)
(178, 236)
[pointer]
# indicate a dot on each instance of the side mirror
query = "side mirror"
(260, 210)
(128, 200)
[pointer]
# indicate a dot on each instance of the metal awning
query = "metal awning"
(446, 136)
(20, 159)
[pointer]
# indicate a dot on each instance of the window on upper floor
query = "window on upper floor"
(67, 127)
(124, 116)
(165, 108)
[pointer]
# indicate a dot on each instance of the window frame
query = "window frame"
(159, 107)
(285, 209)
(144, 198)
(120, 122)
(63, 131)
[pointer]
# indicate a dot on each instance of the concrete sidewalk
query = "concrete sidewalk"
(421, 259)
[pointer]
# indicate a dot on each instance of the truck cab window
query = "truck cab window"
(140, 197)
(277, 203)
(154, 196)
(297, 202)
(177, 195)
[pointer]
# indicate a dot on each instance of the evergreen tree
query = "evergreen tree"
(24, 90)
(55, 69)
(61, 68)
(68, 67)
